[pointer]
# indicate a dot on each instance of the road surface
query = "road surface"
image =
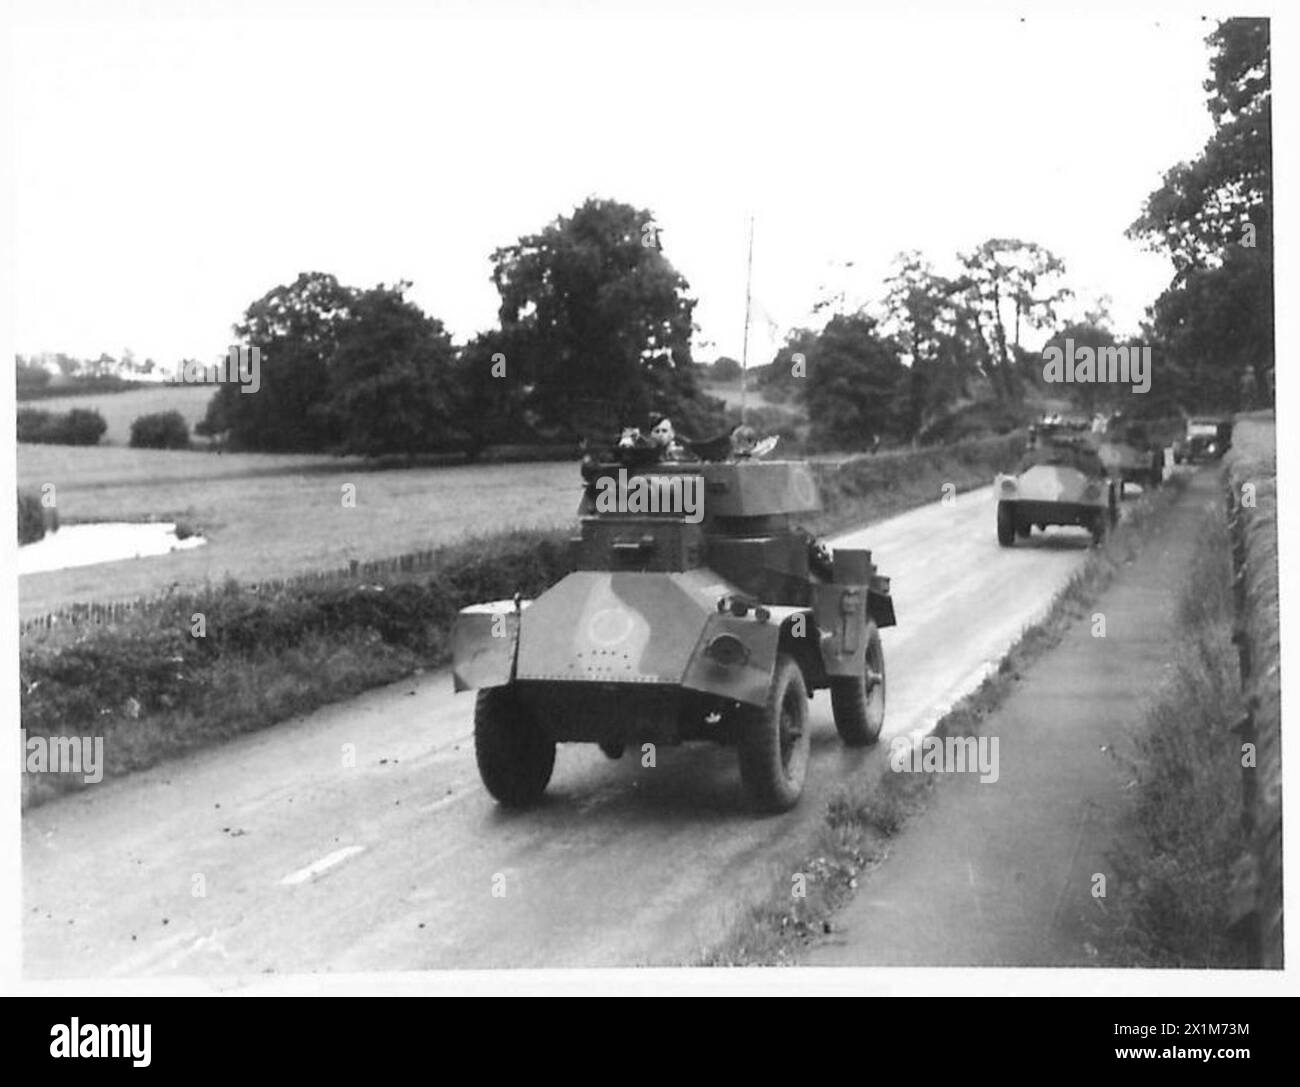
(271, 854)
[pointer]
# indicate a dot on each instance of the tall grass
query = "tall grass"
(1182, 835)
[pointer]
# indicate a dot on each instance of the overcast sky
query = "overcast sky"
(174, 162)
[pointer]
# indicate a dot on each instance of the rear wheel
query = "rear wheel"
(515, 757)
(1006, 524)
(858, 702)
(1099, 526)
(774, 741)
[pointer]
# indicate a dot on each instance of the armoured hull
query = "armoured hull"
(681, 624)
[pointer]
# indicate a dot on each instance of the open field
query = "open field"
(273, 516)
(120, 410)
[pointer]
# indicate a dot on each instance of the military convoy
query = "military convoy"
(699, 610)
(681, 622)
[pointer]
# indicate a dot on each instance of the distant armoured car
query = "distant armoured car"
(1061, 480)
(715, 622)
(1207, 438)
(1130, 455)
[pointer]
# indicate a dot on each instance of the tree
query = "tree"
(597, 323)
(391, 378)
(295, 329)
(1086, 333)
(345, 369)
(160, 430)
(725, 368)
(1214, 219)
(1009, 281)
(929, 317)
(853, 383)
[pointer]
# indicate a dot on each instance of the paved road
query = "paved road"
(1003, 873)
(269, 854)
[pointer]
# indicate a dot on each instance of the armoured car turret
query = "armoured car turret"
(698, 610)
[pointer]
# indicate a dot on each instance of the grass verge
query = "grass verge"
(863, 818)
(1182, 833)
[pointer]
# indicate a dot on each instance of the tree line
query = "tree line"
(594, 327)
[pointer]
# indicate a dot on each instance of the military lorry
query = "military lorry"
(708, 622)
(1061, 480)
(1130, 455)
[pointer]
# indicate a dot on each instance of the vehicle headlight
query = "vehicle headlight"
(727, 650)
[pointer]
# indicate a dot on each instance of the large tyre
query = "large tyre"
(515, 757)
(1006, 524)
(774, 741)
(858, 702)
(1100, 526)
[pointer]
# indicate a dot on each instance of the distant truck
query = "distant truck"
(675, 628)
(1207, 438)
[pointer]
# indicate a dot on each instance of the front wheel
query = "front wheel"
(1006, 524)
(775, 741)
(515, 757)
(858, 702)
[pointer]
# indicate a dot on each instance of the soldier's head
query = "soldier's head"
(661, 430)
(743, 440)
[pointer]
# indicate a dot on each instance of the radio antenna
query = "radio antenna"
(744, 350)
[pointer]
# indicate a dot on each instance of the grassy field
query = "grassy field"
(273, 516)
(120, 410)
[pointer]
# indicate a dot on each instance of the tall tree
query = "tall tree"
(929, 317)
(295, 328)
(853, 381)
(392, 384)
(1214, 219)
(597, 320)
(1009, 282)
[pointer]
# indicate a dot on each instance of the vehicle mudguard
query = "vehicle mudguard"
(746, 680)
(484, 644)
(840, 613)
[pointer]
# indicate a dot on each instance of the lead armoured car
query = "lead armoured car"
(1061, 480)
(707, 622)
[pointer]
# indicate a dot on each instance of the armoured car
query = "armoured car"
(1061, 480)
(682, 621)
(1130, 455)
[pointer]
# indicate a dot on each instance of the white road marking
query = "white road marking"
(317, 867)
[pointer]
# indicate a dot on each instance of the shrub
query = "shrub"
(160, 430)
(31, 518)
(76, 427)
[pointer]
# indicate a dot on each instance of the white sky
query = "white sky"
(171, 163)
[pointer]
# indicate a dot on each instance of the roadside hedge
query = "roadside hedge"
(76, 427)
